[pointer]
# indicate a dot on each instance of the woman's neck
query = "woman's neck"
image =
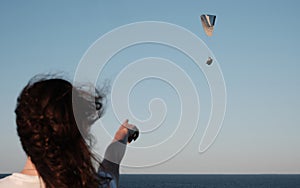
(29, 168)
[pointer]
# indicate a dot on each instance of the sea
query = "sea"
(207, 181)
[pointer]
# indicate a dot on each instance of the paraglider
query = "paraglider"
(209, 61)
(208, 22)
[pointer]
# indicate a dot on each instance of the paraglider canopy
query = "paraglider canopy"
(208, 22)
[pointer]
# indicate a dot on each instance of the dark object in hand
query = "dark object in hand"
(133, 136)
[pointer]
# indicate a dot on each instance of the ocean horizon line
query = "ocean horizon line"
(194, 173)
(207, 180)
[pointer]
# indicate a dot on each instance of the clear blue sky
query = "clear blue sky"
(256, 44)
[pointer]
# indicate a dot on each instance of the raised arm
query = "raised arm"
(115, 151)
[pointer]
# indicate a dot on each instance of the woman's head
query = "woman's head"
(53, 120)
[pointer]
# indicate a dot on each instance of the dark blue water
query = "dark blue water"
(3, 175)
(208, 181)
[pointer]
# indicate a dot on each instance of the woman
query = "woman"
(53, 121)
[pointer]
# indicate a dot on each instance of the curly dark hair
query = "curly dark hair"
(53, 120)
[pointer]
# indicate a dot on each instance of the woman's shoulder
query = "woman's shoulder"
(18, 180)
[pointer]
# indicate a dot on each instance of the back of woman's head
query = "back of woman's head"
(53, 120)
